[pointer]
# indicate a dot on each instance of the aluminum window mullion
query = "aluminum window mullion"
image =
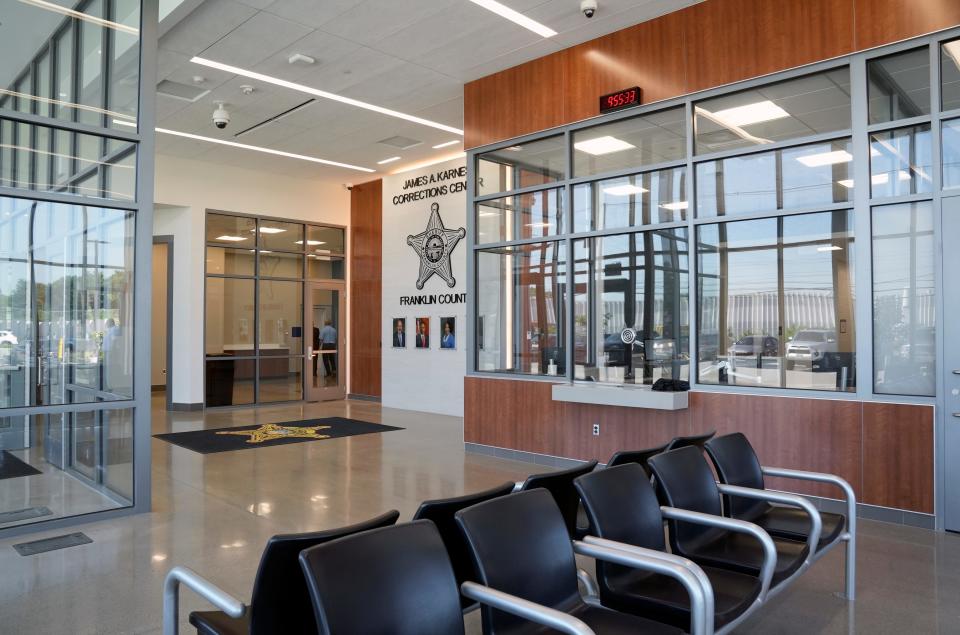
(795, 142)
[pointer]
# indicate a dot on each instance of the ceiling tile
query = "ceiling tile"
(270, 33)
(211, 21)
(314, 13)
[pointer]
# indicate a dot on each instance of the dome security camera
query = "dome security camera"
(588, 7)
(221, 117)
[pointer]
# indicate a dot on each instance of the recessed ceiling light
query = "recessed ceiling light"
(390, 160)
(271, 230)
(312, 243)
(324, 94)
(516, 17)
(825, 158)
(750, 114)
(603, 145)
(447, 144)
(230, 239)
(49, 6)
(877, 179)
(829, 248)
(244, 146)
(623, 190)
(676, 205)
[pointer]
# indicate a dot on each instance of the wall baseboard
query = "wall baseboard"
(364, 398)
(831, 505)
(185, 407)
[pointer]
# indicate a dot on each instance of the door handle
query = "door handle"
(956, 371)
(957, 415)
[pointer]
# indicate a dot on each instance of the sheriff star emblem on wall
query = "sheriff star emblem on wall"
(434, 246)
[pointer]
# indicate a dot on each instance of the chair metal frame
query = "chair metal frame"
(203, 587)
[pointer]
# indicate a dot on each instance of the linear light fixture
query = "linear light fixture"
(516, 17)
(49, 6)
(825, 158)
(311, 243)
(750, 114)
(603, 145)
(426, 164)
(386, 161)
(624, 190)
(446, 145)
(271, 230)
(829, 248)
(230, 239)
(267, 79)
(279, 153)
(69, 104)
(676, 206)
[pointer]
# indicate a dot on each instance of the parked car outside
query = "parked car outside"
(813, 348)
(755, 346)
(9, 339)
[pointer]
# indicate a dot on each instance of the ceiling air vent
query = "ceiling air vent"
(403, 143)
(183, 92)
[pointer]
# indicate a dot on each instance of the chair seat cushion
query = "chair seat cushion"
(793, 523)
(219, 623)
(664, 599)
(743, 553)
(603, 621)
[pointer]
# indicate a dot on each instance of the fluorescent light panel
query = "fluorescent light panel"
(825, 158)
(230, 239)
(279, 153)
(271, 230)
(447, 144)
(623, 190)
(603, 145)
(516, 17)
(676, 206)
(829, 248)
(323, 94)
(390, 160)
(425, 164)
(750, 114)
(312, 243)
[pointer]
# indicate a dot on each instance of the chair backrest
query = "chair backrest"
(560, 485)
(684, 480)
(737, 464)
(519, 545)
(696, 440)
(441, 512)
(280, 602)
(395, 580)
(636, 456)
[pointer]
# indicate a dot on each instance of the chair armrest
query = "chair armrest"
(793, 500)
(526, 609)
(684, 571)
(820, 477)
(741, 527)
(201, 586)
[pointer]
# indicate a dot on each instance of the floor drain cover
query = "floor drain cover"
(52, 544)
(17, 515)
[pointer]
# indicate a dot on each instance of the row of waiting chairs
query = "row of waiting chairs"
(513, 552)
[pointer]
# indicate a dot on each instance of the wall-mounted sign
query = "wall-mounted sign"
(434, 245)
(626, 98)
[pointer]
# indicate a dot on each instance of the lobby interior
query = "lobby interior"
(274, 267)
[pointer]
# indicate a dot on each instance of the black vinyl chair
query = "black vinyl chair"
(398, 581)
(280, 602)
(696, 440)
(623, 507)
(520, 546)
(441, 512)
(636, 456)
(736, 463)
(684, 481)
(560, 485)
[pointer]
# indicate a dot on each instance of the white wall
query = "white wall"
(415, 379)
(185, 189)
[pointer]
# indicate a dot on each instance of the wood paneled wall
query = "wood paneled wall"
(884, 450)
(366, 227)
(709, 44)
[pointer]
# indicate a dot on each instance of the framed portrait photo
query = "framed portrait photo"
(400, 334)
(421, 334)
(448, 333)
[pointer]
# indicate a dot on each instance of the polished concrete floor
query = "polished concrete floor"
(214, 513)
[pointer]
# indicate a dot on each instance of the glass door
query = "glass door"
(326, 377)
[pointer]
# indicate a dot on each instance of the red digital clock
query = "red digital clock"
(619, 100)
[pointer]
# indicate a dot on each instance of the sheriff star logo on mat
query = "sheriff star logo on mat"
(272, 432)
(434, 246)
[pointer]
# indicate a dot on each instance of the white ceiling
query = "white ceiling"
(408, 55)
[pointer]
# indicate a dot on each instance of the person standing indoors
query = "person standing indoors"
(328, 342)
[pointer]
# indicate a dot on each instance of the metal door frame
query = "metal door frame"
(310, 393)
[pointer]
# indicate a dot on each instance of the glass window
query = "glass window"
(230, 382)
(792, 178)
(280, 318)
(630, 309)
(521, 300)
(630, 143)
(229, 317)
(64, 107)
(277, 235)
(628, 201)
(900, 162)
(524, 165)
(532, 215)
(951, 154)
(775, 302)
(904, 303)
(325, 240)
(231, 231)
(280, 265)
(899, 86)
(230, 262)
(325, 267)
(124, 68)
(950, 75)
(790, 109)
(281, 379)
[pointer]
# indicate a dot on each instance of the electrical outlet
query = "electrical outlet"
(596, 429)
